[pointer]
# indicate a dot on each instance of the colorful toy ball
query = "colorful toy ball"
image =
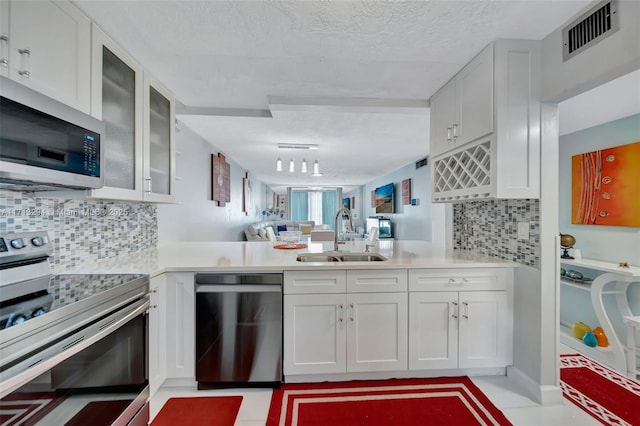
(589, 339)
(601, 337)
(579, 329)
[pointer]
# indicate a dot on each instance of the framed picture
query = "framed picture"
(604, 186)
(373, 198)
(406, 191)
(220, 179)
(346, 202)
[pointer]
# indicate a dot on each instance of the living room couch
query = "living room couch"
(258, 231)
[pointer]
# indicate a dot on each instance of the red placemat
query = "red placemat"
(288, 247)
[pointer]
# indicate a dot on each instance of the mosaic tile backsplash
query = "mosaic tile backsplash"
(82, 231)
(491, 228)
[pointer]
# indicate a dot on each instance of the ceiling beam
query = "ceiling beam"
(353, 105)
(224, 112)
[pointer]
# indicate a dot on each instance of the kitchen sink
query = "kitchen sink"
(340, 257)
(363, 257)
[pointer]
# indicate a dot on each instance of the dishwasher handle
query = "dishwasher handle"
(241, 288)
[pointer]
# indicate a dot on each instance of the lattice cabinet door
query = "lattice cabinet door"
(463, 175)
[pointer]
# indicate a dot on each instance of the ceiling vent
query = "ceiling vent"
(422, 163)
(590, 28)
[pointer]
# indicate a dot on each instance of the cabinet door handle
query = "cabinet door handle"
(3, 48)
(25, 54)
(455, 131)
(454, 308)
(351, 316)
(466, 310)
(449, 134)
(341, 313)
(452, 280)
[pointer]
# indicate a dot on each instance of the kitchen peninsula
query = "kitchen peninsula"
(425, 311)
(232, 256)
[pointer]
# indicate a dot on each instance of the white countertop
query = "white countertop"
(243, 256)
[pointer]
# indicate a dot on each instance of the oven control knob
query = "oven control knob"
(37, 241)
(38, 312)
(18, 243)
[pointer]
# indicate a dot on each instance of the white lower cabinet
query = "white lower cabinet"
(459, 330)
(433, 330)
(339, 333)
(397, 320)
(314, 334)
(376, 332)
(157, 336)
(460, 318)
(180, 326)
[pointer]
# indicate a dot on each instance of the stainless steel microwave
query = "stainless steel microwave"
(45, 144)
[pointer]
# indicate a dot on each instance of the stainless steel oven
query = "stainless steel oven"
(73, 347)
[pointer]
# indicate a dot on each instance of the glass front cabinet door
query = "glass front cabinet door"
(138, 113)
(159, 142)
(117, 86)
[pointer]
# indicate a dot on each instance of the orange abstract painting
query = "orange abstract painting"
(604, 187)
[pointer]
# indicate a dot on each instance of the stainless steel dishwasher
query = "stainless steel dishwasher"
(238, 330)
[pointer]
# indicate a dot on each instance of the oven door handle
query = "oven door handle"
(41, 366)
(241, 288)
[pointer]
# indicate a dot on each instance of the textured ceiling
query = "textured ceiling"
(231, 56)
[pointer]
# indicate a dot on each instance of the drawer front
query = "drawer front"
(375, 281)
(457, 279)
(307, 282)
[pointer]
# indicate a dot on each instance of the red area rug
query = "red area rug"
(609, 397)
(449, 401)
(27, 408)
(199, 411)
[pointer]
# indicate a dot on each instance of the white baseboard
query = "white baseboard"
(402, 374)
(543, 394)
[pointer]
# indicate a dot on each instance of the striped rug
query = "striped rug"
(609, 397)
(443, 401)
(27, 408)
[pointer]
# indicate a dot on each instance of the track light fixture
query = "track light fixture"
(303, 166)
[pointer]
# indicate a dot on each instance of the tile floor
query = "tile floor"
(519, 409)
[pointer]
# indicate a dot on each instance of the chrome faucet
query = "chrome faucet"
(342, 210)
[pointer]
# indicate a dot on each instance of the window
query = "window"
(319, 206)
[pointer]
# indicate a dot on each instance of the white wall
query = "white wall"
(196, 217)
(410, 222)
(613, 57)
(607, 243)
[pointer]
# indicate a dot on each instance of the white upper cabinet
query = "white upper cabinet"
(159, 142)
(139, 117)
(46, 46)
(117, 99)
(462, 110)
(485, 126)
